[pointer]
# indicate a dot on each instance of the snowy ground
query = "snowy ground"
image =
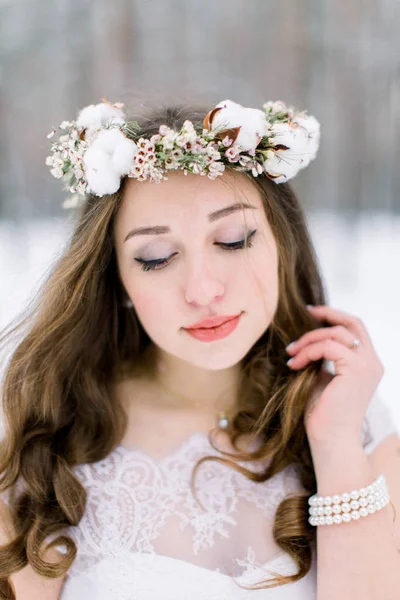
(359, 261)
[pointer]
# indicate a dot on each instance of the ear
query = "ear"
(127, 302)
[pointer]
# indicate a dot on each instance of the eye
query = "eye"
(247, 242)
(149, 265)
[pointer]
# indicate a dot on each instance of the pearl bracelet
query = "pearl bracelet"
(329, 510)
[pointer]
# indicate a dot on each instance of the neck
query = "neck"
(193, 389)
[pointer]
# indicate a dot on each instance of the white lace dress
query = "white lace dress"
(145, 537)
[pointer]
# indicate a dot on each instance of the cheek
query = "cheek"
(152, 305)
(261, 279)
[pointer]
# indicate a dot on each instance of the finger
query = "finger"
(338, 333)
(328, 349)
(339, 317)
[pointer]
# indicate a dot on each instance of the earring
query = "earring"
(127, 302)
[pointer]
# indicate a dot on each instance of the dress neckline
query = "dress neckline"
(197, 439)
(196, 436)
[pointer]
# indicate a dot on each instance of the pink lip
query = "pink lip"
(213, 321)
(211, 334)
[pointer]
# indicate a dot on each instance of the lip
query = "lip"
(212, 334)
(213, 321)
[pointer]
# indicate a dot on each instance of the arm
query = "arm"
(28, 585)
(358, 559)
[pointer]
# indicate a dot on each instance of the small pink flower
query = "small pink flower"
(155, 138)
(232, 154)
(227, 141)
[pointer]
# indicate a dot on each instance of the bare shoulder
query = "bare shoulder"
(28, 585)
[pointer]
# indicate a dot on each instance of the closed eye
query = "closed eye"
(157, 263)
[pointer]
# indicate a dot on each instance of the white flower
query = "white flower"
(275, 107)
(57, 160)
(216, 168)
(78, 172)
(163, 130)
(251, 123)
(74, 157)
(246, 161)
(168, 140)
(81, 187)
(155, 138)
(189, 131)
(257, 169)
(99, 115)
(57, 172)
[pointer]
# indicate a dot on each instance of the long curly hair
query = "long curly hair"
(57, 407)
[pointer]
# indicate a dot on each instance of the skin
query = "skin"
(200, 280)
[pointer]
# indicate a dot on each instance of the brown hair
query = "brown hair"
(56, 398)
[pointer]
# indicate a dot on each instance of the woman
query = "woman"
(155, 432)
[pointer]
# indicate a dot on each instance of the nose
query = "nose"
(202, 286)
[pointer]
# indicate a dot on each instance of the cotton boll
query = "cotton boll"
(254, 128)
(310, 124)
(99, 115)
(312, 127)
(252, 122)
(100, 176)
(111, 114)
(103, 181)
(123, 154)
(119, 149)
(298, 155)
(282, 134)
(287, 162)
(108, 139)
(89, 117)
(287, 168)
(93, 157)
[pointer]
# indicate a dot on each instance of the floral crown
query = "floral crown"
(92, 153)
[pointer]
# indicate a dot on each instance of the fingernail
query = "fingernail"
(309, 306)
(289, 362)
(290, 346)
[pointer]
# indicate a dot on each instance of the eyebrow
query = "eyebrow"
(159, 229)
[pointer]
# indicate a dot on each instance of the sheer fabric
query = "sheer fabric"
(145, 536)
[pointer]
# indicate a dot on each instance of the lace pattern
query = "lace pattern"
(144, 535)
(135, 503)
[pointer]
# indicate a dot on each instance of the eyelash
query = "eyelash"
(149, 265)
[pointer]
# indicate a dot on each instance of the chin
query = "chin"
(216, 359)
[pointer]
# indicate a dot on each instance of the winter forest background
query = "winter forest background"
(339, 60)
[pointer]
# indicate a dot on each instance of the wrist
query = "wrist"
(341, 468)
(336, 450)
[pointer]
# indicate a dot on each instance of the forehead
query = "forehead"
(183, 197)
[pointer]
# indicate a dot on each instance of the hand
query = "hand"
(337, 415)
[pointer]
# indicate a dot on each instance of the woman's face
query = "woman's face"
(201, 277)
